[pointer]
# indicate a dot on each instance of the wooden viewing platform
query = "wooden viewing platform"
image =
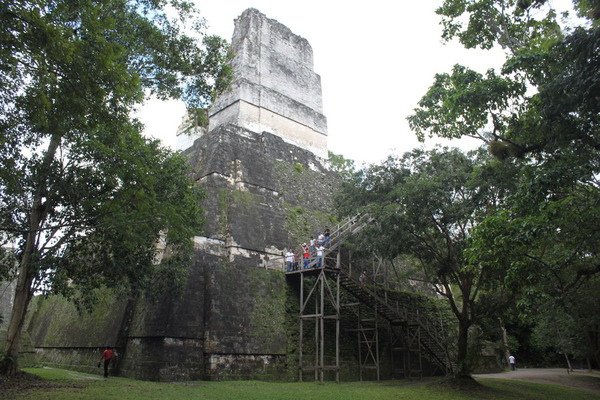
(319, 296)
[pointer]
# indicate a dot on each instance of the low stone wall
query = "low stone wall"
(246, 366)
(163, 359)
(84, 359)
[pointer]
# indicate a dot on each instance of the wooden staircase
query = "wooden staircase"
(419, 332)
(421, 328)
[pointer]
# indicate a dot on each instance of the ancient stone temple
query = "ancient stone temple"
(262, 166)
(241, 316)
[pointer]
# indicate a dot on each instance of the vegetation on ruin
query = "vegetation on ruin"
(74, 385)
(84, 197)
(267, 316)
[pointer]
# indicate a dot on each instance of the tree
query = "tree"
(550, 253)
(427, 204)
(542, 111)
(342, 166)
(83, 195)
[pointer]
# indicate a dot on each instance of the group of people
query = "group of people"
(313, 250)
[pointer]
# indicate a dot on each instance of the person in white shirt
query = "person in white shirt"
(320, 253)
(289, 260)
(512, 362)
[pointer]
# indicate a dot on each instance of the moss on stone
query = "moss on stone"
(297, 223)
(223, 201)
(243, 197)
(302, 223)
(302, 185)
(56, 322)
(267, 318)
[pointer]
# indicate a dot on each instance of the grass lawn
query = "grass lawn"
(84, 386)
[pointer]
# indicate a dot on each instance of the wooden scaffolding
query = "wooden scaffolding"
(410, 337)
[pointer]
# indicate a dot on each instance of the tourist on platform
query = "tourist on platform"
(289, 260)
(320, 239)
(362, 278)
(327, 237)
(305, 255)
(320, 254)
(312, 245)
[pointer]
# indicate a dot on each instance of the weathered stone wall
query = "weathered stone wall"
(263, 194)
(164, 339)
(275, 88)
(64, 336)
(256, 185)
(58, 323)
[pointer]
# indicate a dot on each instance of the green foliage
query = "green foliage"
(83, 194)
(462, 104)
(427, 205)
(342, 166)
(544, 234)
(298, 167)
(213, 77)
(558, 112)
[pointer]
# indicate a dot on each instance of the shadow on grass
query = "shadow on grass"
(22, 380)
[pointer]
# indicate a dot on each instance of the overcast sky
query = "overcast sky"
(376, 60)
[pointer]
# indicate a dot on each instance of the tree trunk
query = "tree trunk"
(504, 342)
(26, 272)
(23, 293)
(594, 345)
(9, 365)
(464, 369)
(569, 367)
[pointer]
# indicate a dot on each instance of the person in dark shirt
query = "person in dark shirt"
(327, 237)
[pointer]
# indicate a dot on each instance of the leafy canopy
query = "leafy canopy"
(427, 205)
(541, 112)
(84, 196)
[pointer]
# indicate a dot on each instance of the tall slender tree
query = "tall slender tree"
(84, 196)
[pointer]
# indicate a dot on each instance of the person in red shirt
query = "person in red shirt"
(305, 255)
(107, 356)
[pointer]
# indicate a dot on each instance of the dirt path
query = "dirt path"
(579, 379)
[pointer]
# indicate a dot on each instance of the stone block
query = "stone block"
(274, 87)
